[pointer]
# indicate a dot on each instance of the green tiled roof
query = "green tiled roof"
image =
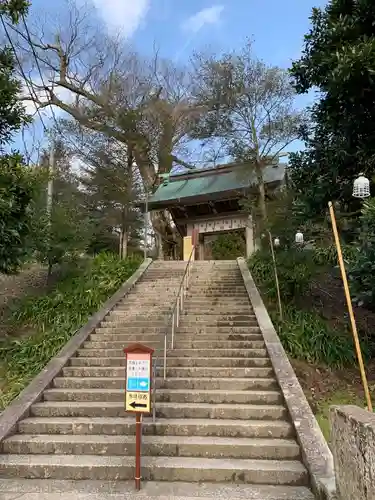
(207, 183)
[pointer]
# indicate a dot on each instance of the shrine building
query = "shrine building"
(204, 203)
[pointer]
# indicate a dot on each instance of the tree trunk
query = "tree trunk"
(261, 192)
(120, 246)
(125, 240)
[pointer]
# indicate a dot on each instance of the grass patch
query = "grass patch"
(307, 336)
(53, 319)
(340, 397)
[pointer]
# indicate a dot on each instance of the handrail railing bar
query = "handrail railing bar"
(172, 315)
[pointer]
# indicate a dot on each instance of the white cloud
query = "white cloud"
(62, 93)
(210, 15)
(125, 15)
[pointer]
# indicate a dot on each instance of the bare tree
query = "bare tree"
(108, 88)
(250, 109)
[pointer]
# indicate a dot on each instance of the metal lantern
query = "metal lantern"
(361, 187)
(299, 238)
(276, 242)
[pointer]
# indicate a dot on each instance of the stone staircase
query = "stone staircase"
(221, 417)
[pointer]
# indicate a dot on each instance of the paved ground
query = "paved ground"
(98, 490)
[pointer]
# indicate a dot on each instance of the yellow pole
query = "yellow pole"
(350, 308)
(276, 276)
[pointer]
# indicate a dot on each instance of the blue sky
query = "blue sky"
(178, 27)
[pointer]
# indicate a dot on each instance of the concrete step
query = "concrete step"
(276, 429)
(218, 316)
(136, 323)
(206, 330)
(126, 338)
(235, 362)
(167, 446)
(129, 329)
(172, 371)
(114, 409)
(239, 384)
(175, 396)
(232, 308)
(209, 321)
(124, 490)
(209, 352)
(218, 353)
(181, 343)
(222, 292)
(76, 467)
(221, 310)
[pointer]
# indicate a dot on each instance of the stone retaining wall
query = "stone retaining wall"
(353, 447)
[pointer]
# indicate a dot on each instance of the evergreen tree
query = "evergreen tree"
(16, 180)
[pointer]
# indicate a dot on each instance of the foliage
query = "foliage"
(249, 110)
(228, 246)
(295, 269)
(17, 188)
(16, 180)
(56, 316)
(112, 190)
(65, 231)
(305, 335)
(338, 59)
(362, 271)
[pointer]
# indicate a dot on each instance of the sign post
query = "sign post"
(138, 394)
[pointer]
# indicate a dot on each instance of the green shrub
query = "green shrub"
(327, 255)
(228, 246)
(362, 270)
(56, 316)
(307, 336)
(295, 269)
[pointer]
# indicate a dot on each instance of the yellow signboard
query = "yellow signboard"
(138, 402)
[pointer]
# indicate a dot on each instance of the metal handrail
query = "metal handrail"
(174, 320)
(174, 317)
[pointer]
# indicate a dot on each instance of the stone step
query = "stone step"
(209, 321)
(203, 295)
(246, 384)
(78, 467)
(125, 338)
(114, 409)
(225, 352)
(137, 323)
(175, 396)
(167, 446)
(234, 308)
(218, 316)
(181, 343)
(235, 362)
(176, 371)
(206, 329)
(203, 329)
(152, 490)
(276, 429)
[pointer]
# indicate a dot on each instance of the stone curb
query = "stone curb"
(316, 454)
(20, 407)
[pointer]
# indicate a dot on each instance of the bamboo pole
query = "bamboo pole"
(350, 307)
(276, 276)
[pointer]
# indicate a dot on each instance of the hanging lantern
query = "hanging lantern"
(361, 187)
(276, 242)
(299, 238)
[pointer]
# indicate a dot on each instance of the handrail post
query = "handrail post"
(173, 325)
(154, 392)
(165, 356)
(178, 312)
